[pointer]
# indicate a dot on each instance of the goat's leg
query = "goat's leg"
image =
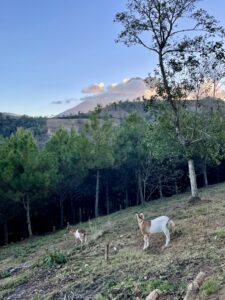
(144, 242)
(167, 234)
(147, 241)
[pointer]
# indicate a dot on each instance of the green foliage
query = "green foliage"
(4, 274)
(210, 286)
(162, 285)
(100, 135)
(53, 258)
(219, 234)
(36, 297)
(9, 125)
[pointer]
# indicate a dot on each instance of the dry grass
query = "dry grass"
(197, 244)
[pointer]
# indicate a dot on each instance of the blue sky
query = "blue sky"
(51, 49)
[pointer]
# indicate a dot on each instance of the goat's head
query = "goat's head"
(70, 229)
(82, 233)
(139, 217)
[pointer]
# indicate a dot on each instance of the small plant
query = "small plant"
(219, 234)
(36, 297)
(164, 286)
(100, 297)
(54, 258)
(210, 286)
(4, 274)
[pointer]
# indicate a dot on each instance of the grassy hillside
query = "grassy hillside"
(54, 267)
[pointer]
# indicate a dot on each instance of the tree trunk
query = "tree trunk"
(192, 177)
(97, 193)
(72, 210)
(107, 198)
(61, 211)
(160, 188)
(205, 175)
(176, 188)
(140, 188)
(126, 197)
(27, 208)
(218, 174)
(144, 189)
(6, 234)
(80, 214)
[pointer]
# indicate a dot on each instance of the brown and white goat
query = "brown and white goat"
(79, 234)
(159, 224)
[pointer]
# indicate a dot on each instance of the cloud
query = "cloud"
(57, 102)
(94, 88)
(128, 89)
(128, 86)
(66, 101)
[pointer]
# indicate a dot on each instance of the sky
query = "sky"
(54, 52)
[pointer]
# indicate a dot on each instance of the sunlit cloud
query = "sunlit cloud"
(94, 88)
(112, 85)
(127, 89)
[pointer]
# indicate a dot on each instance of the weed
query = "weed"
(36, 297)
(162, 285)
(100, 297)
(4, 274)
(54, 258)
(219, 234)
(210, 286)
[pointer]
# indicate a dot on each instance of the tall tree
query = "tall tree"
(180, 47)
(100, 133)
(59, 147)
(26, 171)
(131, 150)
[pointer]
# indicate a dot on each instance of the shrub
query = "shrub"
(209, 287)
(54, 258)
(4, 274)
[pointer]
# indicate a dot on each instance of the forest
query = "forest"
(104, 167)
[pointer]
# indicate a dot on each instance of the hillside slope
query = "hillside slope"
(197, 244)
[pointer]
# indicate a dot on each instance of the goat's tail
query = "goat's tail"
(171, 224)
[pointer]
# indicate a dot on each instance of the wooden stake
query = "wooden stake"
(193, 288)
(107, 251)
(154, 295)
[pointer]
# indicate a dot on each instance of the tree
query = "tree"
(179, 48)
(100, 134)
(133, 154)
(59, 147)
(8, 208)
(26, 172)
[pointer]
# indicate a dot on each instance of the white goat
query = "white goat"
(79, 234)
(159, 224)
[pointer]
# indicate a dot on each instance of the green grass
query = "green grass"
(209, 287)
(4, 274)
(219, 234)
(53, 258)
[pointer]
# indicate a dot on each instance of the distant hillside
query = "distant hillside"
(43, 128)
